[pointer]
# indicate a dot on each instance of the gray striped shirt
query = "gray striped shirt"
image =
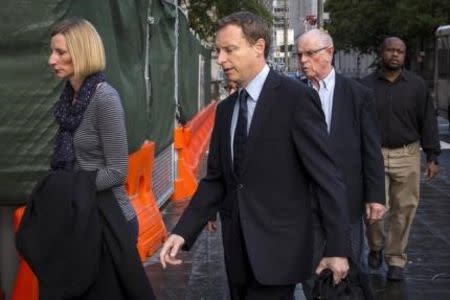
(101, 144)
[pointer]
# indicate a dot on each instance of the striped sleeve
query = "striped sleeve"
(113, 139)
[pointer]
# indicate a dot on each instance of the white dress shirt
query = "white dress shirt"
(254, 90)
(326, 92)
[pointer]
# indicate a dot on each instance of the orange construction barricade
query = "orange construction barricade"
(152, 231)
(191, 142)
(26, 285)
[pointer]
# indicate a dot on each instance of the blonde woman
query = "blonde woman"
(91, 139)
(92, 133)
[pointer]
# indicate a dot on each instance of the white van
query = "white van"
(442, 71)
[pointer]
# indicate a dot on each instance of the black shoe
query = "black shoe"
(375, 259)
(395, 273)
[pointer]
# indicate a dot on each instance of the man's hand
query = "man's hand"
(211, 226)
(374, 212)
(432, 169)
(338, 265)
(170, 249)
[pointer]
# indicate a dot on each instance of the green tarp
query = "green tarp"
(192, 55)
(162, 73)
(134, 33)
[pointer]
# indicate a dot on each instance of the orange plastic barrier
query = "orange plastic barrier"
(26, 285)
(191, 142)
(152, 231)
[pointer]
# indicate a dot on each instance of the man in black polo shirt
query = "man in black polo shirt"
(406, 120)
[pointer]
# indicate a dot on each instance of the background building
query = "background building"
(291, 18)
(299, 16)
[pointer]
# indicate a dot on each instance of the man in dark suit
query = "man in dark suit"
(268, 147)
(351, 122)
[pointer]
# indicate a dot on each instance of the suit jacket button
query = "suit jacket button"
(240, 186)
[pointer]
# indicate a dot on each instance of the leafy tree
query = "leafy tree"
(203, 14)
(418, 18)
(362, 24)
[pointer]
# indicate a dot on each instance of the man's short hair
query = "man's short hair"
(254, 27)
(388, 38)
(84, 45)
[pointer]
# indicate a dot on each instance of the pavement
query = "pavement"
(427, 273)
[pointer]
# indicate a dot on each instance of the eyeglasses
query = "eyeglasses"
(311, 53)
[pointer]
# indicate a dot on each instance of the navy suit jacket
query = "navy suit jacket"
(288, 152)
(356, 145)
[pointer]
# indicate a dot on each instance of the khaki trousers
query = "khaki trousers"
(402, 178)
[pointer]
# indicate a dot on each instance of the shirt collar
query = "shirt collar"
(327, 83)
(403, 75)
(329, 80)
(256, 84)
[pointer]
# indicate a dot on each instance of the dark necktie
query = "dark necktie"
(240, 133)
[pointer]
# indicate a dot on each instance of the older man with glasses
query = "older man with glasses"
(351, 122)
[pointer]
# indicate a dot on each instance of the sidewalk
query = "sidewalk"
(202, 275)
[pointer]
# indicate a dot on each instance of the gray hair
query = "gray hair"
(322, 35)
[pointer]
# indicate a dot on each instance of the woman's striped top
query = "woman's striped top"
(101, 144)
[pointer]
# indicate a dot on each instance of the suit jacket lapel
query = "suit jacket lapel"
(228, 114)
(338, 102)
(262, 110)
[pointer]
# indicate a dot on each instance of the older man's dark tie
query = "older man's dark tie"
(240, 133)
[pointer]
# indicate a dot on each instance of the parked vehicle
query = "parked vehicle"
(442, 71)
